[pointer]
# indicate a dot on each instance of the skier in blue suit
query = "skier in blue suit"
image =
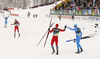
(78, 37)
(6, 18)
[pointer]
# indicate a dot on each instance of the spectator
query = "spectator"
(59, 7)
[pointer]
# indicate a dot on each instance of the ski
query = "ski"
(44, 34)
(85, 37)
(47, 33)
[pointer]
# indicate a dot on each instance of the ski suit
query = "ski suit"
(6, 18)
(78, 37)
(55, 35)
(16, 23)
(55, 31)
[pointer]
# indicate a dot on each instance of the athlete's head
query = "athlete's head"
(15, 19)
(75, 26)
(6, 17)
(57, 25)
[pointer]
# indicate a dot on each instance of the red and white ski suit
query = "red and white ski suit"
(16, 26)
(55, 35)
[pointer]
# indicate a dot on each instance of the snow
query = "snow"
(32, 30)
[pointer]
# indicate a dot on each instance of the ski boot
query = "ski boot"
(57, 50)
(5, 26)
(53, 49)
(19, 35)
(77, 52)
(53, 52)
(14, 35)
(81, 50)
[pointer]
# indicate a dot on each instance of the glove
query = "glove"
(65, 26)
(49, 29)
(74, 40)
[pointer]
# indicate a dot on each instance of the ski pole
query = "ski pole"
(24, 31)
(42, 38)
(46, 39)
(44, 35)
(47, 33)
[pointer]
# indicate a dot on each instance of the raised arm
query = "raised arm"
(72, 29)
(61, 30)
(3, 16)
(7, 17)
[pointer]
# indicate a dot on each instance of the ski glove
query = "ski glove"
(74, 40)
(65, 28)
(49, 29)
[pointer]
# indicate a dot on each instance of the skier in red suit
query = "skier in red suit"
(16, 23)
(55, 31)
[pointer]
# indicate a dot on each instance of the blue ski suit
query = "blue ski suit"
(6, 18)
(78, 36)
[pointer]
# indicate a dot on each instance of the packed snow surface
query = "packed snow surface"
(32, 29)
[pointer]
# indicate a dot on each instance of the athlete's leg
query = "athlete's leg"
(52, 42)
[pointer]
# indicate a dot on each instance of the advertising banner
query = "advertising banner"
(53, 12)
(70, 12)
(60, 12)
(89, 12)
(85, 12)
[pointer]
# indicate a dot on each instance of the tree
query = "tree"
(14, 3)
(38, 2)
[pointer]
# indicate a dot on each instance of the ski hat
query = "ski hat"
(15, 19)
(75, 25)
(57, 25)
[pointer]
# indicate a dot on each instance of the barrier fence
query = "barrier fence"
(93, 18)
(89, 12)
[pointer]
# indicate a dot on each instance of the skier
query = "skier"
(73, 17)
(36, 15)
(78, 37)
(16, 23)
(55, 31)
(59, 17)
(6, 18)
(28, 14)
